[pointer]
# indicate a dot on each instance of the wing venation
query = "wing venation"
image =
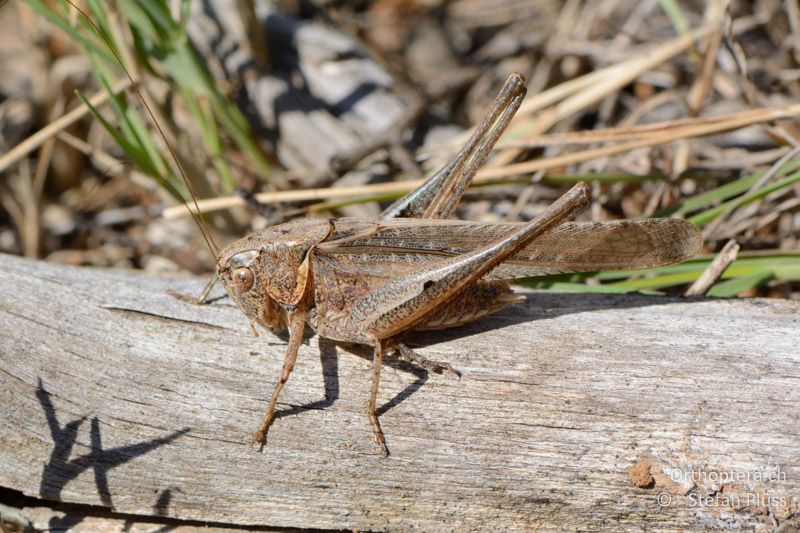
(402, 244)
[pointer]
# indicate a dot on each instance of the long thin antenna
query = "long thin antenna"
(196, 214)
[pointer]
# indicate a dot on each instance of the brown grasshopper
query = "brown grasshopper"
(367, 281)
(371, 282)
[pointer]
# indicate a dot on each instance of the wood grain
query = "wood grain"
(574, 411)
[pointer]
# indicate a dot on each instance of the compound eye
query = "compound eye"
(242, 279)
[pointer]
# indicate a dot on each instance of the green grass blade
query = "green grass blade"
(734, 286)
(87, 43)
(675, 14)
(707, 216)
(724, 192)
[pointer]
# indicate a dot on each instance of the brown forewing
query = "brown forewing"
(378, 250)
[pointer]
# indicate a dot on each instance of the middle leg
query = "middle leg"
(377, 362)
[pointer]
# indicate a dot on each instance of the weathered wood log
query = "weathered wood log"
(574, 411)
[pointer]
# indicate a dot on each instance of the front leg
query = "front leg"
(297, 322)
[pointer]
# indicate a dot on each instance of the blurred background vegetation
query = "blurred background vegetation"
(322, 108)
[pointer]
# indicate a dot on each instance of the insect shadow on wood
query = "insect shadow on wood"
(375, 282)
(60, 469)
(538, 306)
(329, 361)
